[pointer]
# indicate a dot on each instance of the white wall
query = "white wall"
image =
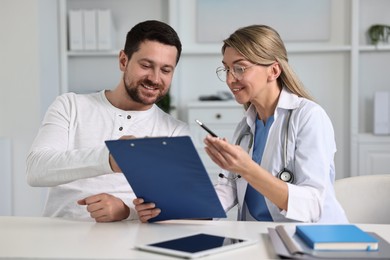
(28, 83)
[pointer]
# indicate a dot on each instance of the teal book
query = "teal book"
(336, 237)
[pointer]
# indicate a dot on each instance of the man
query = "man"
(69, 154)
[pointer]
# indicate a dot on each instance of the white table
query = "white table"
(54, 238)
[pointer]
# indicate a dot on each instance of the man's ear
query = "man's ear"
(274, 71)
(122, 60)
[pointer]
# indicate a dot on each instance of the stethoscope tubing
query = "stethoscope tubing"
(284, 175)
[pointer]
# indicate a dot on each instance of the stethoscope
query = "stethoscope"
(285, 174)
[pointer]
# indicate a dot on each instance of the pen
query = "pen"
(206, 128)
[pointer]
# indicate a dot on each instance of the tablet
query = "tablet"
(197, 245)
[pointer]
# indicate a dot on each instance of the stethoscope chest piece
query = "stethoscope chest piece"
(286, 176)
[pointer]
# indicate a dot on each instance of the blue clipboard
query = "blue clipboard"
(169, 172)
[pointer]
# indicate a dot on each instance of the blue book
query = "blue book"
(336, 237)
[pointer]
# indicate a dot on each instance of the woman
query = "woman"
(268, 179)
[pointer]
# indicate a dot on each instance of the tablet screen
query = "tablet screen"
(196, 245)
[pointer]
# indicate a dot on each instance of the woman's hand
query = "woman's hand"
(145, 211)
(227, 156)
(235, 159)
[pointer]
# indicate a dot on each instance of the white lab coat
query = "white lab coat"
(311, 148)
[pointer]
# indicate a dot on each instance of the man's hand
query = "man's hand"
(113, 164)
(145, 211)
(105, 207)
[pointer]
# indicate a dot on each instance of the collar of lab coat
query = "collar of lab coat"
(287, 101)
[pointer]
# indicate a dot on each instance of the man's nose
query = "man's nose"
(154, 76)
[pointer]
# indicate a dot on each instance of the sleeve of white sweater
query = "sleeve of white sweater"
(51, 163)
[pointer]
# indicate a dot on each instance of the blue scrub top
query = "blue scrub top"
(254, 200)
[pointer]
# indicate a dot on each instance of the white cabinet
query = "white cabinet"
(370, 153)
(374, 155)
(221, 117)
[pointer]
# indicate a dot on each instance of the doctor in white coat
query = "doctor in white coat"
(280, 165)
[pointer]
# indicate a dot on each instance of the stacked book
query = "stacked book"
(324, 241)
(91, 30)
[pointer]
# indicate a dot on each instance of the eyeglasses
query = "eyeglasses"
(237, 71)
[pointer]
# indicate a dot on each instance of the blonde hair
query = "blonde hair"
(263, 45)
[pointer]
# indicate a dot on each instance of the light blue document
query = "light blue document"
(169, 172)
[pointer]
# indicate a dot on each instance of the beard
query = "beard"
(134, 91)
